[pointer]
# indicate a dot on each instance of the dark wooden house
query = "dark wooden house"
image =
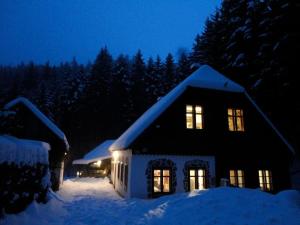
(30, 123)
(205, 132)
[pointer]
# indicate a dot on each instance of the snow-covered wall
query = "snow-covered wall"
(123, 157)
(139, 164)
(23, 152)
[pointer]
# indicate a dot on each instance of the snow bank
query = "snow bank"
(93, 201)
(23, 152)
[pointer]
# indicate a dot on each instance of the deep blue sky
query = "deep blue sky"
(57, 30)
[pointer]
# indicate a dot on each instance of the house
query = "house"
(205, 132)
(95, 163)
(31, 123)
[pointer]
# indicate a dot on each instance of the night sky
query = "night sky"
(58, 30)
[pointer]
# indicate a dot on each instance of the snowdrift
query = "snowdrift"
(93, 201)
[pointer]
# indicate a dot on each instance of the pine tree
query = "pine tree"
(183, 68)
(138, 88)
(169, 79)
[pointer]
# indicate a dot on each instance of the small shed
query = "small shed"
(95, 163)
(30, 123)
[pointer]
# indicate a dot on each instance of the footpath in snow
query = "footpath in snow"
(92, 201)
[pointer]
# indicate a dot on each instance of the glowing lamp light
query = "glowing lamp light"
(115, 155)
(98, 163)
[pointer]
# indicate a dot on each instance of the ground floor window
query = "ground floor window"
(126, 177)
(161, 177)
(237, 178)
(196, 175)
(265, 180)
(161, 180)
(196, 179)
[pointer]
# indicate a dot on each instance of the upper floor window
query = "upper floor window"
(194, 117)
(235, 119)
(237, 178)
(265, 180)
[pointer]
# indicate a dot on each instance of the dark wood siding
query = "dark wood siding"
(28, 126)
(258, 147)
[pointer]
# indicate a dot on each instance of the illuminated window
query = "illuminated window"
(119, 170)
(122, 172)
(235, 119)
(265, 180)
(236, 178)
(197, 179)
(161, 180)
(126, 177)
(194, 117)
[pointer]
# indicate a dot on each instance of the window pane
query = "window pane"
(189, 108)
(240, 180)
(189, 120)
(201, 173)
(166, 172)
(232, 181)
(240, 173)
(192, 183)
(238, 112)
(230, 123)
(198, 109)
(231, 172)
(192, 173)
(156, 172)
(156, 184)
(239, 124)
(268, 187)
(261, 181)
(260, 173)
(166, 184)
(201, 183)
(198, 121)
(267, 173)
(229, 112)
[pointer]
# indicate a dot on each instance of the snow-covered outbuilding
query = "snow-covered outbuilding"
(95, 163)
(204, 132)
(30, 123)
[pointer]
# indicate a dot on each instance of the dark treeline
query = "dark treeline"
(252, 42)
(94, 102)
(255, 43)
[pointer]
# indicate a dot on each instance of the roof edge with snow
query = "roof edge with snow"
(42, 117)
(205, 77)
(100, 152)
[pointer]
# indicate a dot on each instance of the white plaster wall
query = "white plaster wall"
(118, 185)
(139, 163)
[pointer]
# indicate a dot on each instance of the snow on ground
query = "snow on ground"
(93, 201)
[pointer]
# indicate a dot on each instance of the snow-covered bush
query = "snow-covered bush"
(24, 173)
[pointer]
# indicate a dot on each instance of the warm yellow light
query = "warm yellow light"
(98, 163)
(115, 155)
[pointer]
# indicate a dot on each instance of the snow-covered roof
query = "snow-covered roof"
(99, 153)
(23, 151)
(39, 115)
(204, 77)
